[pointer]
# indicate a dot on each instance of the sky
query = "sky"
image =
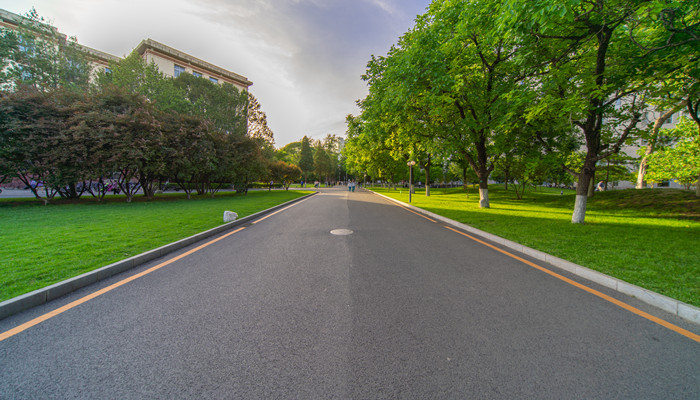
(304, 57)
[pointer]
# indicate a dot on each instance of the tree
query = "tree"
(257, 122)
(306, 158)
(366, 150)
(129, 138)
(601, 52)
(224, 105)
(285, 173)
(450, 86)
(133, 74)
(290, 153)
(188, 148)
(207, 111)
(37, 54)
(652, 139)
(29, 120)
(681, 161)
(332, 146)
(322, 163)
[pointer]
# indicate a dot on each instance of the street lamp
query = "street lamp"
(410, 178)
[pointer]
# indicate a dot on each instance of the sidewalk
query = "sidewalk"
(26, 193)
(16, 193)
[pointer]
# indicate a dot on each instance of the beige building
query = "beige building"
(173, 62)
(170, 61)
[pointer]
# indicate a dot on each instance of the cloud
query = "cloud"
(383, 5)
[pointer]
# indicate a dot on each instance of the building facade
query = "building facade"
(171, 62)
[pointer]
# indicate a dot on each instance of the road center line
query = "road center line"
(100, 292)
(409, 210)
(603, 296)
(279, 211)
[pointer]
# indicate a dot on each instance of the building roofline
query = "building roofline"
(97, 54)
(150, 44)
(12, 19)
(16, 19)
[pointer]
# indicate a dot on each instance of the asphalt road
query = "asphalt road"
(401, 308)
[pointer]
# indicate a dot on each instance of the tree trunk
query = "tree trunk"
(464, 179)
(72, 191)
(482, 169)
(148, 187)
(484, 196)
(586, 176)
(427, 181)
(592, 127)
(27, 182)
(484, 190)
(579, 209)
(641, 183)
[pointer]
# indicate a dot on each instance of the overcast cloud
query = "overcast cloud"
(304, 57)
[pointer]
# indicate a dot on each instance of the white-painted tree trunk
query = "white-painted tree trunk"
(579, 209)
(484, 198)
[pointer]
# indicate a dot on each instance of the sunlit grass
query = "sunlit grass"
(645, 237)
(42, 245)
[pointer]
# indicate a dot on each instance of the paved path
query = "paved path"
(400, 308)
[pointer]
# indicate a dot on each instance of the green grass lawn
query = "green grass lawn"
(42, 245)
(650, 237)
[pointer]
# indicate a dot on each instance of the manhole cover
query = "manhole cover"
(341, 232)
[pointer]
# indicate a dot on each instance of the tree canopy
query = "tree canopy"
(130, 128)
(503, 84)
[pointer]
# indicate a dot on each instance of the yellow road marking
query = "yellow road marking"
(100, 292)
(626, 306)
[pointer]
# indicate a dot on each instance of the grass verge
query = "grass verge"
(649, 237)
(42, 245)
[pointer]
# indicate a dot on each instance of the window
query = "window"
(213, 80)
(26, 45)
(196, 74)
(179, 70)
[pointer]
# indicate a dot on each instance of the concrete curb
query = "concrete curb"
(44, 295)
(673, 306)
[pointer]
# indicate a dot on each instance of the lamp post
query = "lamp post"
(410, 178)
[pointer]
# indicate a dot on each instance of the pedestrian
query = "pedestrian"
(601, 186)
